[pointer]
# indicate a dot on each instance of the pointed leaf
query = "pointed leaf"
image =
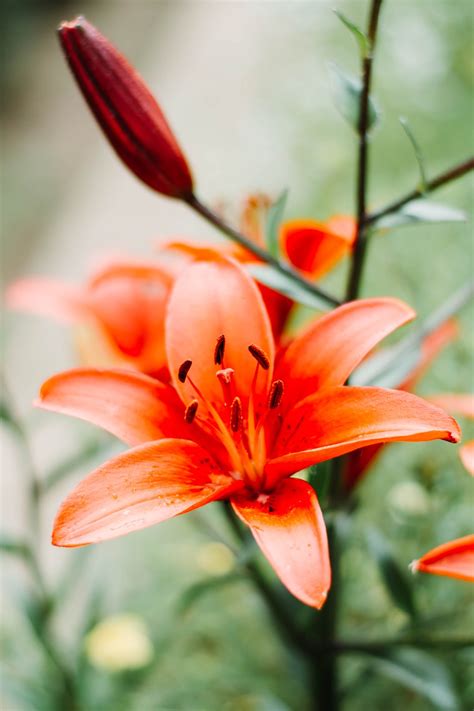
(361, 38)
(421, 211)
(194, 592)
(397, 582)
(417, 150)
(266, 275)
(420, 672)
(347, 90)
(274, 217)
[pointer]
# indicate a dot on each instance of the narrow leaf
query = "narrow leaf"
(347, 90)
(379, 368)
(194, 592)
(397, 583)
(265, 274)
(417, 150)
(418, 211)
(274, 218)
(361, 37)
(13, 547)
(420, 672)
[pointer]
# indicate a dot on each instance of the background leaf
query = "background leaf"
(397, 582)
(265, 274)
(421, 672)
(346, 90)
(360, 36)
(421, 211)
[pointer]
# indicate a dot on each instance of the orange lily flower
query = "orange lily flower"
(238, 421)
(453, 560)
(461, 405)
(315, 247)
(358, 463)
(118, 314)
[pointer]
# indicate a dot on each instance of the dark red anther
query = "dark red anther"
(184, 370)
(190, 412)
(235, 414)
(260, 356)
(219, 350)
(276, 394)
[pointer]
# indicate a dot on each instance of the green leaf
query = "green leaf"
(265, 274)
(13, 547)
(194, 592)
(274, 218)
(419, 672)
(397, 582)
(378, 369)
(418, 211)
(417, 150)
(347, 90)
(361, 37)
(385, 370)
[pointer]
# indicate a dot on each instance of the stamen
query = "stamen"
(225, 376)
(235, 414)
(276, 394)
(260, 356)
(184, 370)
(190, 412)
(219, 350)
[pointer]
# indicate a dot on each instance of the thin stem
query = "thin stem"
(260, 252)
(32, 559)
(363, 160)
(448, 176)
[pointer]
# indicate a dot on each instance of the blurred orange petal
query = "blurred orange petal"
(453, 560)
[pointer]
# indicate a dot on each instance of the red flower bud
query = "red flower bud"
(125, 109)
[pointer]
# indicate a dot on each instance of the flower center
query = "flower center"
(243, 431)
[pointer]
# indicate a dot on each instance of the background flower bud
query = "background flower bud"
(125, 109)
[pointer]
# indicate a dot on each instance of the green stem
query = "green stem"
(448, 176)
(360, 245)
(32, 560)
(263, 254)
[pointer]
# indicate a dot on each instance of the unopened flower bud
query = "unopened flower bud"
(125, 109)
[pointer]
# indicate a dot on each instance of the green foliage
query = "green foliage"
(421, 211)
(397, 583)
(265, 274)
(346, 91)
(420, 672)
(361, 37)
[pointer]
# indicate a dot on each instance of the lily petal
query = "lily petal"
(327, 353)
(467, 456)
(133, 407)
(342, 419)
(139, 488)
(211, 299)
(453, 560)
(315, 247)
(48, 297)
(461, 404)
(289, 528)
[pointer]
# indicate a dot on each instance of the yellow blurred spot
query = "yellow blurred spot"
(215, 558)
(119, 642)
(409, 499)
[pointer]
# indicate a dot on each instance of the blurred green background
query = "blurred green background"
(246, 86)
